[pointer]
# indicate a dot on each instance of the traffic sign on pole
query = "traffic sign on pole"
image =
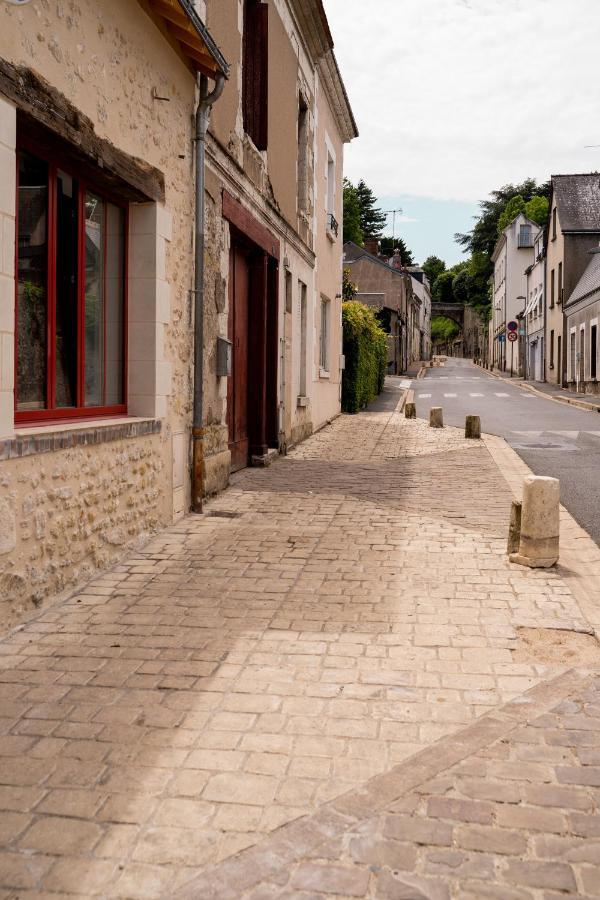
(513, 336)
(512, 326)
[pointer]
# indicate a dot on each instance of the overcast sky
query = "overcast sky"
(454, 98)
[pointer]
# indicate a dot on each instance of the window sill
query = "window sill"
(331, 235)
(31, 440)
(324, 373)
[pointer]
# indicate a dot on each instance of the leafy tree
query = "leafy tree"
(433, 266)
(349, 289)
(352, 229)
(481, 240)
(388, 245)
(484, 234)
(372, 219)
(443, 329)
(537, 209)
(513, 208)
(460, 287)
(442, 289)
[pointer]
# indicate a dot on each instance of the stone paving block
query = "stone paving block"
(238, 674)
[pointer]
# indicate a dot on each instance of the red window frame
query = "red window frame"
(52, 414)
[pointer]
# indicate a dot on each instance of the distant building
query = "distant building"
(582, 311)
(512, 255)
(535, 314)
(573, 230)
(403, 302)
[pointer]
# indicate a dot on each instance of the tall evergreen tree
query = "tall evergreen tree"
(372, 219)
(388, 245)
(352, 230)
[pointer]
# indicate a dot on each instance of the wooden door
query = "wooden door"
(237, 383)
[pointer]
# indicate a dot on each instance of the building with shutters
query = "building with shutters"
(98, 234)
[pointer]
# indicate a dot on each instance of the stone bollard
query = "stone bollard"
(436, 417)
(538, 544)
(472, 427)
(410, 411)
(514, 528)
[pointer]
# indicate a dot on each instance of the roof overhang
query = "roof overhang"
(184, 25)
(338, 98)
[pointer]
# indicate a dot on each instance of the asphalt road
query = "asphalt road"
(552, 438)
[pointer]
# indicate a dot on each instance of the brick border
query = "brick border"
(289, 844)
(85, 436)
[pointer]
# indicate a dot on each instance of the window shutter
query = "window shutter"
(255, 74)
(261, 139)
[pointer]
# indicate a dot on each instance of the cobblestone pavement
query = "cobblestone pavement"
(326, 619)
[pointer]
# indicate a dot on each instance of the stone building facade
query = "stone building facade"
(573, 231)
(97, 232)
(386, 285)
(512, 255)
(274, 204)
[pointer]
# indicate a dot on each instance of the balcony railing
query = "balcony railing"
(525, 240)
(332, 224)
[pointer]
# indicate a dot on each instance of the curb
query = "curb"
(290, 843)
(526, 386)
(579, 560)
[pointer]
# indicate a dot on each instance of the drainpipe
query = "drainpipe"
(202, 118)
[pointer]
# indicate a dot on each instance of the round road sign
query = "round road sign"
(512, 336)
(512, 326)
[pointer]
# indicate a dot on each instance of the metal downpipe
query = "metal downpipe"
(202, 119)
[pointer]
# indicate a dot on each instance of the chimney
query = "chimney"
(396, 260)
(372, 245)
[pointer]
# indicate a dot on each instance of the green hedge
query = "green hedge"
(365, 349)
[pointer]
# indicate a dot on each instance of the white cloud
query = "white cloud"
(454, 98)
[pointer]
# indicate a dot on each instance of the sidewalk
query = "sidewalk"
(584, 401)
(284, 657)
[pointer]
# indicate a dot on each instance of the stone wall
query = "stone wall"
(66, 514)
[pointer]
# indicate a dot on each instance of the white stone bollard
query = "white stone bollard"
(436, 417)
(538, 546)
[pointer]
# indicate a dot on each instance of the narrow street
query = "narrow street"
(319, 684)
(552, 438)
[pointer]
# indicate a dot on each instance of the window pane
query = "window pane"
(94, 299)
(115, 306)
(66, 290)
(32, 283)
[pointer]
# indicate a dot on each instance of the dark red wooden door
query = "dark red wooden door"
(237, 383)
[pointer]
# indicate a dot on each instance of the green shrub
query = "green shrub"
(365, 349)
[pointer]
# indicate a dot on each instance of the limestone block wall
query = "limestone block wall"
(66, 514)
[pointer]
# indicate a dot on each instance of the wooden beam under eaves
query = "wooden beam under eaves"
(190, 42)
(193, 46)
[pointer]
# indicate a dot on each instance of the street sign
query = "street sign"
(501, 338)
(513, 336)
(512, 326)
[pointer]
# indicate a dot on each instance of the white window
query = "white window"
(324, 338)
(525, 236)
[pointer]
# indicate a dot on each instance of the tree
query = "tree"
(484, 234)
(481, 240)
(514, 207)
(352, 229)
(433, 266)
(372, 219)
(443, 329)
(349, 288)
(442, 289)
(537, 209)
(388, 245)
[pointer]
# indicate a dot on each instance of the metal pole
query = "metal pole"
(202, 118)
(512, 354)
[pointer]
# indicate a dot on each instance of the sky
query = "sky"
(454, 98)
